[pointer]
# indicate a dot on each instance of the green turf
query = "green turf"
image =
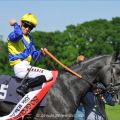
(113, 112)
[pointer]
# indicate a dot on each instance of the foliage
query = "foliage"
(113, 112)
(90, 38)
(4, 63)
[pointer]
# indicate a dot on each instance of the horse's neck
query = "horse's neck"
(66, 93)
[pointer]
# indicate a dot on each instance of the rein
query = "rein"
(96, 100)
(26, 76)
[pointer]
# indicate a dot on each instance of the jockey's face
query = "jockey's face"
(26, 28)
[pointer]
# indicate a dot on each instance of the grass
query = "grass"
(113, 112)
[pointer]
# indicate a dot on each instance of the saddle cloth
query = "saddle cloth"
(8, 85)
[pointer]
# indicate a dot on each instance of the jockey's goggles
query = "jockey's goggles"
(27, 25)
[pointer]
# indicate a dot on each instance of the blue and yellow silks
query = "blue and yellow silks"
(21, 47)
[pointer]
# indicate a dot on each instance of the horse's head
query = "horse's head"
(110, 75)
(93, 69)
(105, 69)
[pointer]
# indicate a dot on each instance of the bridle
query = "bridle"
(111, 86)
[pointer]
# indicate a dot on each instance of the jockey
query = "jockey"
(21, 51)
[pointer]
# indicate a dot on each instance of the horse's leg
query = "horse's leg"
(6, 108)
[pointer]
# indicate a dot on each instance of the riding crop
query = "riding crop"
(68, 69)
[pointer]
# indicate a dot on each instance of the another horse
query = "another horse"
(64, 97)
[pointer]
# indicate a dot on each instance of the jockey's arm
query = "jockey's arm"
(16, 34)
(37, 55)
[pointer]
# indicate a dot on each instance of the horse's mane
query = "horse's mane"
(105, 59)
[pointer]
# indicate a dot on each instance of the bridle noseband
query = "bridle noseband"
(111, 86)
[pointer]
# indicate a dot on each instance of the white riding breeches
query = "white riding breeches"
(22, 68)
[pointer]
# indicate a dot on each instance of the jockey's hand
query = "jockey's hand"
(43, 51)
(12, 22)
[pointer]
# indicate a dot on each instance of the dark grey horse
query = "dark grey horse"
(64, 97)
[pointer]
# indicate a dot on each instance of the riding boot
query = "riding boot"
(30, 83)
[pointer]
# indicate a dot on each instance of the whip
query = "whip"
(68, 69)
